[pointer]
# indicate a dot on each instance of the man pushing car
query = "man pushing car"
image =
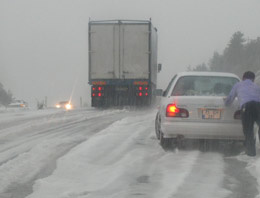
(248, 94)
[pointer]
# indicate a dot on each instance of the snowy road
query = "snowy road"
(112, 153)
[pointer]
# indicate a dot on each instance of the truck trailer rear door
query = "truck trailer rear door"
(134, 51)
(104, 51)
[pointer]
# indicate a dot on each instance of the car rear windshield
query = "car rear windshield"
(203, 86)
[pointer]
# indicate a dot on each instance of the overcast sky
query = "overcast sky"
(44, 46)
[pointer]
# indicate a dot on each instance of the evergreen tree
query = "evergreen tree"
(234, 54)
(200, 67)
(238, 56)
(5, 97)
(216, 63)
(252, 55)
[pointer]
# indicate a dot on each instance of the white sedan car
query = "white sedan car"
(192, 107)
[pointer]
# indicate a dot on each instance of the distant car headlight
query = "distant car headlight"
(68, 106)
(57, 106)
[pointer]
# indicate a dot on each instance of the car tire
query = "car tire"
(157, 126)
(165, 142)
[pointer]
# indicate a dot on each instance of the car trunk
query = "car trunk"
(206, 108)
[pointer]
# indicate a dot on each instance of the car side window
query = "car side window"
(168, 87)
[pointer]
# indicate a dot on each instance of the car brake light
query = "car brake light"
(140, 88)
(99, 88)
(140, 94)
(99, 94)
(237, 115)
(173, 111)
(146, 94)
(172, 108)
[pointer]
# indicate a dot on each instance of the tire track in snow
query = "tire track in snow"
(26, 140)
(205, 179)
(17, 173)
(124, 160)
(239, 180)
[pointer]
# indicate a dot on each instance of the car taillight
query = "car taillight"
(173, 111)
(172, 108)
(237, 115)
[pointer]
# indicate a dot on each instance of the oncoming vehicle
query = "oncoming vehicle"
(192, 107)
(64, 105)
(18, 104)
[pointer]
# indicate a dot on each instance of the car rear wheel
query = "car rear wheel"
(165, 142)
(157, 126)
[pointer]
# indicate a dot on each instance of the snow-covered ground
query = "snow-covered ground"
(112, 153)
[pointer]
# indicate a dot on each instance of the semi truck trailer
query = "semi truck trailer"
(122, 62)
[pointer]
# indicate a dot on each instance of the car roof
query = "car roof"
(221, 74)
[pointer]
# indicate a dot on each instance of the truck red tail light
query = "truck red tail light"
(140, 94)
(237, 115)
(97, 91)
(173, 111)
(142, 91)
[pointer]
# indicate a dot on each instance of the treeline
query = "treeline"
(5, 96)
(239, 56)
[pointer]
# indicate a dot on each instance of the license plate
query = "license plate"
(121, 88)
(210, 114)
